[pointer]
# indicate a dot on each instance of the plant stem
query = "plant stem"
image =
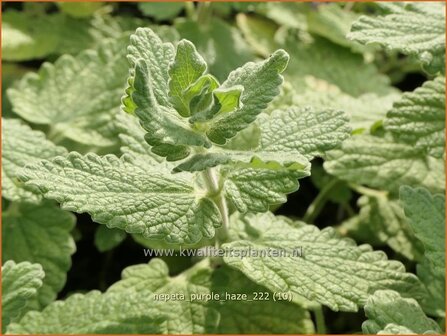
(203, 13)
(223, 209)
(214, 190)
(103, 272)
(319, 319)
(317, 205)
(368, 191)
(347, 207)
(190, 10)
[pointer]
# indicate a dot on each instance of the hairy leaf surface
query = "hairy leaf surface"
(414, 29)
(148, 96)
(389, 313)
(418, 118)
(364, 111)
(258, 185)
(433, 302)
(121, 194)
(384, 164)
(196, 315)
(133, 144)
(331, 270)
(40, 234)
(384, 218)
(168, 133)
(222, 46)
(20, 283)
(309, 132)
(77, 96)
(261, 83)
(125, 312)
(287, 136)
(187, 67)
(20, 146)
(426, 214)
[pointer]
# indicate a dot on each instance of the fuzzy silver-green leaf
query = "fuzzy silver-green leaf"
(331, 270)
(121, 194)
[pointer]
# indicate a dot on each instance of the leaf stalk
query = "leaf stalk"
(317, 205)
(215, 191)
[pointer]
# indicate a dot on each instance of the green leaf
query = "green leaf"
(383, 164)
(198, 315)
(291, 160)
(187, 67)
(168, 133)
(386, 220)
(28, 35)
(33, 147)
(333, 22)
(426, 214)
(184, 315)
(413, 29)
(418, 118)
(251, 179)
(267, 316)
(306, 60)
(245, 140)
(256, 186)
(433, 302)
(261, 83)
(364, 111)
(11, 72)
(200, 162)
(305, 130)
(287, 136)
(330, 270)
(237, 101)
(220, 44)
(124, 312)
(23, 38)
(146, 45)
(258, 31)
(76, 95)
(133, 144)
(106, 26)
(229, 99)
(355, 228)
(40, 234)
(389, 312)
(148, 97)
(127, 196)
(200, 92)
(317, 59)
(20, 283)
(255, 179)
(289, 14)
(107, 239)
(161, 10)
(80, 10)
